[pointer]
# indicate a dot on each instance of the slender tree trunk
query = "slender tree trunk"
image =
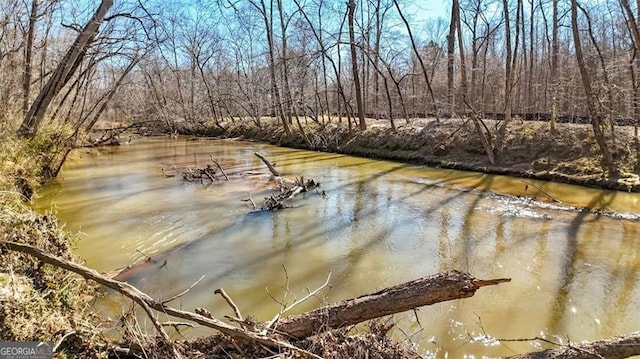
(109, 95)
(451, 48)
(28, 54)
(463, 63)
(63, 72)
(530, 92)
(555, 49)
(354, 65)
(376, 74)
(635, 66)
(414, 46)
(289, 106)
(607, 158)
(508, 83)
(267, 17)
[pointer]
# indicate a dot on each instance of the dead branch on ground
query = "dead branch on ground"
(420, 292)
(229, 301)
(288, 190)
(183, 292)
(250, 200)
(219, 167)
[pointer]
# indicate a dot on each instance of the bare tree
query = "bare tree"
(414, 46)
(28, 54)
(354, 65)
(592, 102)
(63, 72)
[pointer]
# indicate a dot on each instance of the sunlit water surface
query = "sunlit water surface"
(575, 274)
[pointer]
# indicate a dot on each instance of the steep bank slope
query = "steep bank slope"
(531, 150)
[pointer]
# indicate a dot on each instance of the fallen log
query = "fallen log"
(417, 293)
(614, 348)
(146, 302)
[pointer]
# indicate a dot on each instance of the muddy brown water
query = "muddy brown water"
(575, 274)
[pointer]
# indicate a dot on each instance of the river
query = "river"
(574, 273)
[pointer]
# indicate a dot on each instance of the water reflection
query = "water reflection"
(575, 274)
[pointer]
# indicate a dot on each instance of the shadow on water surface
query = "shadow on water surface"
(569, 267)
(382, 223)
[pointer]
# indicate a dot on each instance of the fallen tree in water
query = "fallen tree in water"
(285, 335)
(287, 188)
(209, 172)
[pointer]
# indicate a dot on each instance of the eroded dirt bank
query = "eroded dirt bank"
(531, 150)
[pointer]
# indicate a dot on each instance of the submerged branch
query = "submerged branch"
(271, 168)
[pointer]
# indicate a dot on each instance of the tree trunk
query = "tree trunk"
(63, 72)
(607, 158)
(277, 102)
(555, 48)
(451, 48)
(420, 292)
(414, 46)
(634, 67)
(463, 64)
(28, 54)
(508, 81)
(354, 65)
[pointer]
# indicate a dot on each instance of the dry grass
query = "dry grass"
(37, 301)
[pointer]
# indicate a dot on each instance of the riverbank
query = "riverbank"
(37, 302)
(532, 150)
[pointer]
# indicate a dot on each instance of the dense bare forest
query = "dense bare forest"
(199, 63)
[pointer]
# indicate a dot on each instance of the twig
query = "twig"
(589, 352)
(220, 167)
(149, 259)
(543, 192)
(61, 340)
(160, 329)
(250, 200)
(177, 325)
(16, 194)
(183, 292)
(296, 302)
(229, 301)
(206, 172)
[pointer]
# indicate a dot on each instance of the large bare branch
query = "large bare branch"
(417, 293)
(146, 301)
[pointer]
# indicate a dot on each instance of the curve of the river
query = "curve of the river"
(575, 273)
